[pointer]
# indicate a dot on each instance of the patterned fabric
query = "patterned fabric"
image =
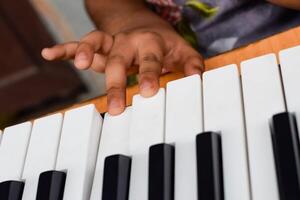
(216, 26)
(172, 12)
(167, 9)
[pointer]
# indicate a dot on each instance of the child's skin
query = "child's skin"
(131, 35)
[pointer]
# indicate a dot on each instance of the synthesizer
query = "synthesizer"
(231, 134)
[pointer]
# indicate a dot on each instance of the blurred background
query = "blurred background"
(30, 86)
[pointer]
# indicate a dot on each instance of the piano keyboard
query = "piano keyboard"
(225, 137)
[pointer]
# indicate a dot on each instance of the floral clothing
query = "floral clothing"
(216, 26)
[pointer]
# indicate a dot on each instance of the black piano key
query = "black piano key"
(116, 177)
(161, 172)
(287, 155)
(51, 185)
(209, 166)
(11, 190)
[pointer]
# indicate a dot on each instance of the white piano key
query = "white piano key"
(263, 98)
(42, 152)
(0, 137)
(114, 140)
(13, 151)
(223, 112)
(146, 129)
(78, 150)
(183, 123)
(290, 69)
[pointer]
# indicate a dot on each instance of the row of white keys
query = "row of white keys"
(77, 152)
(42, 152)
(114, 140)
(263, 97)
(13, 151)
(146, 129)
(24, 160)
(24, 154)
(183, 123)
(290, 68)
(223, 111)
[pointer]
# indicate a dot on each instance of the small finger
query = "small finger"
(193, 65)
(60, 52)
(92, 43)
(150, 60)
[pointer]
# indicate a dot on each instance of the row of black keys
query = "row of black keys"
(161, 169)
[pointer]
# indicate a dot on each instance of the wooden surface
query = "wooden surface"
(272, 44)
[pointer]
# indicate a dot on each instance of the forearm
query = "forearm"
(293, 4)
(114, 16)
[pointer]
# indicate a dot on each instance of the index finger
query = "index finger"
(61, 51)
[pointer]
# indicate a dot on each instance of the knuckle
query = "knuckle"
(149, 35)
(70, 43)
(120, 37)
(148, 75)
(197, 55)
(116, 88)
(84, 45)
(108, 37)
(60, 46)
(150, 78)
(196, 59)
(150, 58)
(114, 91)
(116, 58)
(98, 35)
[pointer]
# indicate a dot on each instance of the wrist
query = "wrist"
(143, 19)
(115, 19)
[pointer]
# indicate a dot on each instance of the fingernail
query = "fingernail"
(146, 85)
(147, 89)
(45, 49)
(164, 70)
(45, 53)
(81, 59)
(114, 107)
(82, 56)
(114, 104)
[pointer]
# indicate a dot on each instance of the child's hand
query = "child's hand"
(90, 52)
(154, 49)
